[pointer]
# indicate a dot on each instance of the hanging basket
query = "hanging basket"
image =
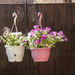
(40, 54)
(15, 53)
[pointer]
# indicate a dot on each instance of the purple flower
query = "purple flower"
(43, 37)
(0, 41)
(63, 35)
(54, 33)
(22, 45)
(4, 36)
(32, 34)
(43, 29)
(66, 39)
(48, 28)
(50, 32)
(51, 35)
(5, 31)
(54, 37)
(8, 29)
(35, 43)
(60, 33)
(14, 54)
(38, 41)
(36, 27)
(24, 41)
(32, 31)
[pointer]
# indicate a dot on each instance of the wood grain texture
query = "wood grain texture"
(33, 1)
(58, 17)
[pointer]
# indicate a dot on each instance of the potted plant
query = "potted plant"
(15, 45)
(15, 42)
(41, 40)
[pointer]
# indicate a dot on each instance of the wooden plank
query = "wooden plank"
(73, 44)
(32, 1)
(64, 66)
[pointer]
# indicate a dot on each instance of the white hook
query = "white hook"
(15, 17)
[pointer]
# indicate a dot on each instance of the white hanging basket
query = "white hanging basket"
(15, 53)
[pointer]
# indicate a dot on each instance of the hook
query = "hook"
(40, 15)
(15, 17)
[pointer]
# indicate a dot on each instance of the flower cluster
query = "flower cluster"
(11, 39)
(44, 38)
(38, 38)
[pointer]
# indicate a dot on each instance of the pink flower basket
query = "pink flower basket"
(40, 54)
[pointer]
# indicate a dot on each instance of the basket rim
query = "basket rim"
(6, 46)
(39, 48)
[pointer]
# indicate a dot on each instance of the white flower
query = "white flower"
(21, 37)
(28, 36)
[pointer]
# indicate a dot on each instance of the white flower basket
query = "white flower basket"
(15, 53)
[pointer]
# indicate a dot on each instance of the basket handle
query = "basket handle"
(14, 24)
(40, 17)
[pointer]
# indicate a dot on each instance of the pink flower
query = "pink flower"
(32, 34)
(50, 32)
(43, 37)
(38, 41)
(35, 42)
(63, 35)
(54, 37)
(22, 45)
(36, 27)
(60, 33)
(0, 41)
(4, 36)
(32, 31)
(24, 41)
(8, 29)
(54, 33)
(48, 28)
(66, 39)
(42, 30)
(5, 31)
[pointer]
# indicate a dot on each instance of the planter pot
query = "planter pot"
(40, 54)
(15, 53)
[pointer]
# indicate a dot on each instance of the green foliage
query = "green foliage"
(52, 37)
(13, 39)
